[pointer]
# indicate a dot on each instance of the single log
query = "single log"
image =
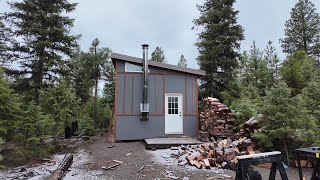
(192, 157)
(207, 163)
(63, 167)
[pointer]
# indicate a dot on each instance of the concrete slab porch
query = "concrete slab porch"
(162, 143)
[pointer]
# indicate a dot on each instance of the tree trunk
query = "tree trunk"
(63, 166)
(286, 151)
(95, 101)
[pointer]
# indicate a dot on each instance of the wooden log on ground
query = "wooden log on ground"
(207, 164)
(63, 166)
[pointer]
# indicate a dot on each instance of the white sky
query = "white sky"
(123, 25)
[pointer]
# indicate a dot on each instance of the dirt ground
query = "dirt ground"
(138, 163)
(157, 164)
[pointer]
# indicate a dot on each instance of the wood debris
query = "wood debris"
(214, 154)
(63, 167)
(215, 120)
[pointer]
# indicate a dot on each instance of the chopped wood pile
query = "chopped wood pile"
(248, 127)
(214, 154)
(215, 120)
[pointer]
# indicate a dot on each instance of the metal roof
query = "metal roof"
(122, 57)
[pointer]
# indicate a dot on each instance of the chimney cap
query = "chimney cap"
(145, 45)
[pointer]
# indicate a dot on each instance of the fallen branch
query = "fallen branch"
(63, 167)
(113, 166)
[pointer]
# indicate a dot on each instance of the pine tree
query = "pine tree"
(4, 40)
(282, 117)
(311, 96)
(80, 75)
(218, 44)
(273, 62)
(109, 86)
(257, 72)
(9, 109)
(158, 55)
(297, 71)
(182, 62)
(44, 31)
(99, 60)
(302, 29)
(60, 103)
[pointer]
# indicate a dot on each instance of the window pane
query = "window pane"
(169, 99)
(176, 111)
(169, 105)
(176, 99)
(133, 68)
(176, 105)
(169, 111)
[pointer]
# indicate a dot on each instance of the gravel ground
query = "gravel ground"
(91, 157)
(156, 164)
(134, 156)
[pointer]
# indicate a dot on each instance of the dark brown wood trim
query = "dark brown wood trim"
(133, 114)
(164, 94)
(115, 103)
(132, 94)
(152, 114)
(124, 94)
(197, 113)
(190, 114)
(156, 96)
(155, 73)
(185, 95)
(192, 110)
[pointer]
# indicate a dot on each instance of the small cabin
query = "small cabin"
(154, 99)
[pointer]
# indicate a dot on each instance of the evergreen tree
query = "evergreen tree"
(282, 117)
(302, 29)
(158, 55)
(9, 109)
(218, 44)
(45, 40)
(311, 96)
(273, 62)
(99, 61)
(182, 62)
(297, 71)
(257, 72)
(80, 74)
(4, 40)
(109, 86)
(61, 104)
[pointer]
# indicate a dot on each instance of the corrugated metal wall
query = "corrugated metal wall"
(161, 81)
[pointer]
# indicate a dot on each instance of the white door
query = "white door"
(173, 113)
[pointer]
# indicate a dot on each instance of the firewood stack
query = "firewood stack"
(215, 120)
(214, 154)
(249, 127)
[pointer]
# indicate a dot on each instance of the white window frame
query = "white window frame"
(127, 70)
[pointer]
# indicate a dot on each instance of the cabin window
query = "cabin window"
(172, 105)
(133, 68)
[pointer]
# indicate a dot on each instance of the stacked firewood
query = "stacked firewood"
(215, 120)
(214, 154)
(249, 127)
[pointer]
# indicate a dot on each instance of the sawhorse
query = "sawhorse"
(274, 157)
(313, 152)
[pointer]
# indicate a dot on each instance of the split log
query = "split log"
(207, 164)
(63, 166)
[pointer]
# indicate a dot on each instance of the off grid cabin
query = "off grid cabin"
(154, 99)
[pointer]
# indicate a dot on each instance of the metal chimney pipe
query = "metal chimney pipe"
(145, 107)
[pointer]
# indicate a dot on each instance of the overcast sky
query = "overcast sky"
(123, 25)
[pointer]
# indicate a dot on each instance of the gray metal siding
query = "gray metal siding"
(132, 128)
(161, 81)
